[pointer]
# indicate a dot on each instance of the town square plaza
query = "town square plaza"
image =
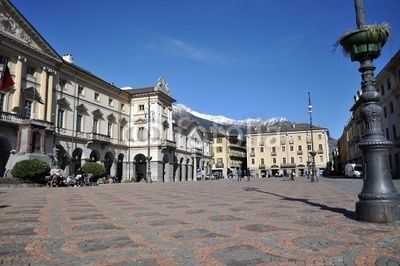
(225, 222)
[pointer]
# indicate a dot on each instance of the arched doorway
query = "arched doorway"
(174, 175)
(108, 162)
(5, 148)
(180, 170)
(63, 159)
(94, 156)
(140, 162)
(76, 160)
(165, 161)
(120, 166)
(187, 169)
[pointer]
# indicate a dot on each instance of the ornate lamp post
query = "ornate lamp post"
(378, 201)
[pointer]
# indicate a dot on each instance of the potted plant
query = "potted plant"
(366, 41)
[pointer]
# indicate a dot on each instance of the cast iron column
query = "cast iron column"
(378, 201)
(314, 177)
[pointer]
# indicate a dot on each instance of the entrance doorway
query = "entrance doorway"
(141, 166)
(5, 148)
(120, 167)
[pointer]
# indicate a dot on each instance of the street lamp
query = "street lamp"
(379, 200)
(314, 177)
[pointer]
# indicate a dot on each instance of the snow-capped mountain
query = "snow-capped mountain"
(223, 120)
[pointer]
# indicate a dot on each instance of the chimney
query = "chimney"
(68, 58)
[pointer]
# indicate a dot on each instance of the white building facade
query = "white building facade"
(61, 113)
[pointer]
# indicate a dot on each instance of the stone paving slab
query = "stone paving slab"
(261, 222)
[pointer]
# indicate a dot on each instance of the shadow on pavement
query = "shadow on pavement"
(347, 213)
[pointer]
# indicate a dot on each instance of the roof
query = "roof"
(283, 127)
(140, 90)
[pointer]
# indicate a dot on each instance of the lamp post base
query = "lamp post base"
(378, 211)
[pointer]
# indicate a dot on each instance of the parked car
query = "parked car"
(353, 170)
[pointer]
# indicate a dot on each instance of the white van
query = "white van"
(353, 170)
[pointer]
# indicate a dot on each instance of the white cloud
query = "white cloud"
(185, 49)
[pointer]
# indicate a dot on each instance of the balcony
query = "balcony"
(97, 137)
(12, 118)
(273, 153)
(262, 166)
(168, 143)
(252, 154)
(320, 151)
(299, 152)
(197, 150)
(219, 165)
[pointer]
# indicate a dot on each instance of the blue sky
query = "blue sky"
(239, 58)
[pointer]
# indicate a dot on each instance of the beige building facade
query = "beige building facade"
(229, 155)
(61, 113)
(285, 150)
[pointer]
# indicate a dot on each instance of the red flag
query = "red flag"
(6, 79)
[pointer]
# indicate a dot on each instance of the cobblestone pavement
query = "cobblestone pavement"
(261, 222)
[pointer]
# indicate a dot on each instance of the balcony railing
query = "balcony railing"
(168, 143)
(252, 154)
(273, 153)
(219, 165)
(299, 152)
(320, 151)
(262, 166)
(11, 117)
(100, 137)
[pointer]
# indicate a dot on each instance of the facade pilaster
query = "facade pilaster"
(16, 98)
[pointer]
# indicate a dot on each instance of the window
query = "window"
(385, 112)
(382, 90)
(2, 102)
(283, 148)
(30, 71)
(95, 125)
(219, 149)
(298, 137)
(121, 133)
(219, 140)
(394, 132)
(387, 134)
(141, 107)
(291, 148)
(141, 133)
(81, 91)
(320, 147)
(122, 107)
(262, 161)
(253, 161)
(110, 102)
(261, 149)
(97, 96)
(292, 160)
(309, 147)
(321, 158)
(389, 84)
(219, 161)
(274, 160)
(28, 109)
(300, 148)
(391, 108)
(109, 129)
(284, 160)
(300, 159)
(319, 136)
(390, 162)
(60, 118)
(252, 150)
(78, 122)
(273, 149)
